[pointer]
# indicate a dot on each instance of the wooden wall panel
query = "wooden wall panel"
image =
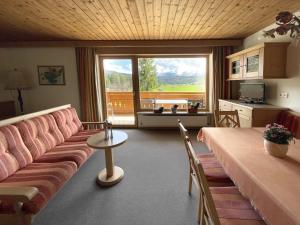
(136, 19)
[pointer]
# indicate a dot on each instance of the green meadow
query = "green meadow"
(181, 88)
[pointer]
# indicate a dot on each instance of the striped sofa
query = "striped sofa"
(38, 155)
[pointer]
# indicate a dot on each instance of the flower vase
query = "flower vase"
(277, 150)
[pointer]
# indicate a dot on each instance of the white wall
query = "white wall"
(291, 84)
(40, 97)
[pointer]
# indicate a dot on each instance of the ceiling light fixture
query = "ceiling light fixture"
(287, 22)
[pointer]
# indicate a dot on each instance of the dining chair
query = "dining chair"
(227, 118)
(214, 172)
(220, 205)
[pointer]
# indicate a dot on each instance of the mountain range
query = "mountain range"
(164, 78)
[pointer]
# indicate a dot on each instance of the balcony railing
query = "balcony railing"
(122, 102)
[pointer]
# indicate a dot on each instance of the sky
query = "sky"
(178, 66)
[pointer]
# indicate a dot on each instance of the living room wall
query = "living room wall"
(40, 96)
(291, 84)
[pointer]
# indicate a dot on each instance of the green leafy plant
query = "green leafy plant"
(278, 134)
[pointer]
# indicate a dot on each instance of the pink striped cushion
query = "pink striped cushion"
(291, 121)
(213, 170)
(233, 208)
(77, 153)
(13, 152)
(83, 135)
(40, 134)
(47, 177)
(68, 122)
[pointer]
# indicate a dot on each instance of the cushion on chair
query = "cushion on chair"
(216, 174)
(295, 128)
(13, 153)
(291, 121)
(233, 208)
(77, 153)
(40, 134)
(208, 160)
(47, 177)
(206, 155)
(68, 122)
(213, 170)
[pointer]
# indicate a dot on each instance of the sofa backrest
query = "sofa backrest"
(291, 121)
(68, 122)
(13, 152)
(32, 115)
(40, 134)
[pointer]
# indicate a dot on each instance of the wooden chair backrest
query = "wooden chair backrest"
(227, 118)
(182, 129)
(184, 134)
(208, 214)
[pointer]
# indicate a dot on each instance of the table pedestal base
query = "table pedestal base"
(117, 176)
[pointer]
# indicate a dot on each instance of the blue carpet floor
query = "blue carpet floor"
(153, 191)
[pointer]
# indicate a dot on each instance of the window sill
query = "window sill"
(174, 114)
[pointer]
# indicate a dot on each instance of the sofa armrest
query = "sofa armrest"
(93, 125)
(17, 194)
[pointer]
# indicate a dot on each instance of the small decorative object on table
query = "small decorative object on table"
(111, 131)
(105, 124)
(174, 108)
(108, 126)
(194, 108)
(277, 140)
(159, 110)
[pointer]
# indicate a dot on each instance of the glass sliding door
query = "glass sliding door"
(118, 92)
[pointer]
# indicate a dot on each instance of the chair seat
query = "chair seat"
(214, 171)
(77, 153)
(233, 208)
(209, 160)
(47, 177)
(83, 135)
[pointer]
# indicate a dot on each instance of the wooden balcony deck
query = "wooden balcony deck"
(122, 102)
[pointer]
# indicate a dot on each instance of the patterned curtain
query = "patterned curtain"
(221, 87)
(88, 88)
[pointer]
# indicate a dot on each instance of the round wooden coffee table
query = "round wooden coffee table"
(112, 174)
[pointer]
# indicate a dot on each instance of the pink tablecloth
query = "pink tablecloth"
(272, 184)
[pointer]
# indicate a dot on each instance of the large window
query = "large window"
(135, 83)
(172, 80)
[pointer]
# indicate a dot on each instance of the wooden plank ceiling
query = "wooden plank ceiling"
(136, 19)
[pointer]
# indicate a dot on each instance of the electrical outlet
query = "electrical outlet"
(283, 95)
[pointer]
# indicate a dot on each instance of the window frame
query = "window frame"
(135, 78)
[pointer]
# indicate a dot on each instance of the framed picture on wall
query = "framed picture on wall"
(51, 75)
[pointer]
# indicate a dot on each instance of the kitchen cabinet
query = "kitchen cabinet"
(263, 61)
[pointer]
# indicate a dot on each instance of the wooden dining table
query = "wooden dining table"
(271, 184)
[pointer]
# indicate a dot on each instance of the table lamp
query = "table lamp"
(17, 81)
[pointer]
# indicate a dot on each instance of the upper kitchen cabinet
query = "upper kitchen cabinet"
(235, 67)
(263, 61)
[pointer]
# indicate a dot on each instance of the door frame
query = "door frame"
(135, 87)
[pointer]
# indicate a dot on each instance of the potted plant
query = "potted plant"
(174, 108)
(193, 108)
(277, 140)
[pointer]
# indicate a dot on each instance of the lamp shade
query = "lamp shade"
(17, 80)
